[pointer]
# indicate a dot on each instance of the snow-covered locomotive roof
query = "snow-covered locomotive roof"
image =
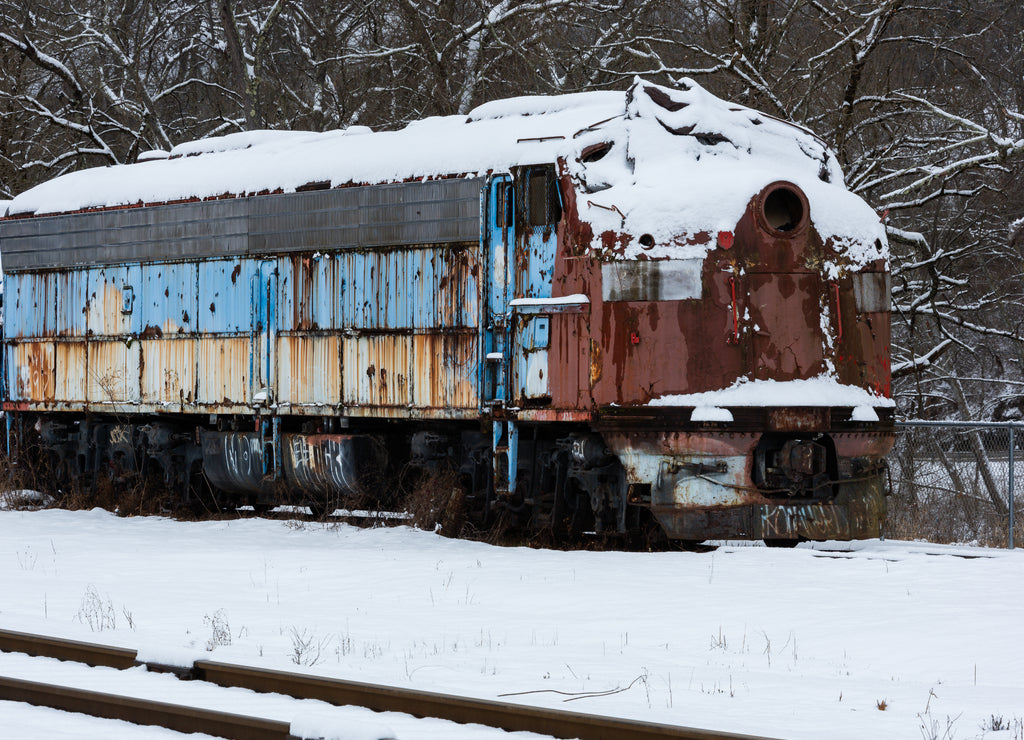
(681, 162)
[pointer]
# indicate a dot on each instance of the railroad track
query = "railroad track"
(462, 710)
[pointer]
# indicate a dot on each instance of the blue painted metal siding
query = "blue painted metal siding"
(391, 330)
(169, 299)
(30, 303)
(223, 296)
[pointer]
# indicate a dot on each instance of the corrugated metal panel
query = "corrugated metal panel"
(308, 288)
(31, 372)
(381, 215)
(223, 367)
(113, 301)
(225, 295)
(168, 370)
(457, 289)
(114, 371)
(70, 374)
(445, 371)
(72, 299)
(410, 288)
(169, 301)
(309, 370)
(30, 305)
(376, 370)
(177, 231)
(421, 287)
(404, 213)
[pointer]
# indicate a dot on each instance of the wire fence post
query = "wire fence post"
(1010, 493)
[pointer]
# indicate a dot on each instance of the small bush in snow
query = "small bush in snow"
(95, 612)
(306, 648)
(220, 630)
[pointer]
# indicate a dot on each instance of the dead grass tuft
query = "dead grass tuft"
(437, 502)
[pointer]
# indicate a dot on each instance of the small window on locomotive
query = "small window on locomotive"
(545, 203)
(504, 206)
(508, 204)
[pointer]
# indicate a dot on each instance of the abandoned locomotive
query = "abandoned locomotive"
(604, 311)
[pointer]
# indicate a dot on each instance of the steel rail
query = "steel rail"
(177, 717)
(464, 710)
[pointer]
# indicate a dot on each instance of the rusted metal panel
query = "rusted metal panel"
(169, 299)
(114, 301)
(661, 280)
(422, 285)
(862, 347)
(223, 370)
(308, 292)
(419, 288)
(114, 368)
(688, 469)
(785, 325)
(31, 371)
(72, 300)
(70, 363)
(875, 444)
(458, 288)
(376, 370)
(532, 338)
(29, 305)
(224, 295)
(358, 286)
(872, 291)
(309, 370)
(168, 370)
(786, 419)
(444, 368)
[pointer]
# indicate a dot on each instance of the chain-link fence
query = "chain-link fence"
(954, 482)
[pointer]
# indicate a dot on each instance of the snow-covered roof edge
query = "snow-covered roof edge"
(680, 162)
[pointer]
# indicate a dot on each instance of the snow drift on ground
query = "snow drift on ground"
(805, 643)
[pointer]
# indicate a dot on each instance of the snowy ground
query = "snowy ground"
(848, 640)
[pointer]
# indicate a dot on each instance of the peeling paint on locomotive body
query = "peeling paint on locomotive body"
(765, 304)
(392, 328)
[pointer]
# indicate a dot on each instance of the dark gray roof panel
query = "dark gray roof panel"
(435, 212)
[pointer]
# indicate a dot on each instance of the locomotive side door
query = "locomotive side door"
(500, 245)
(263, 335)
(534, 273)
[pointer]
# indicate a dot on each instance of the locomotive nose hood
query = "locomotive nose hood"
(681, 166)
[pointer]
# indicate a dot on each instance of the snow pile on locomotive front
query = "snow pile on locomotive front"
(681, 166)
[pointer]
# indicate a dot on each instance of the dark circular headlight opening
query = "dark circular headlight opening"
(784, 209)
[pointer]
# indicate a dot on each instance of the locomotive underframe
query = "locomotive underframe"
(691, 481)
